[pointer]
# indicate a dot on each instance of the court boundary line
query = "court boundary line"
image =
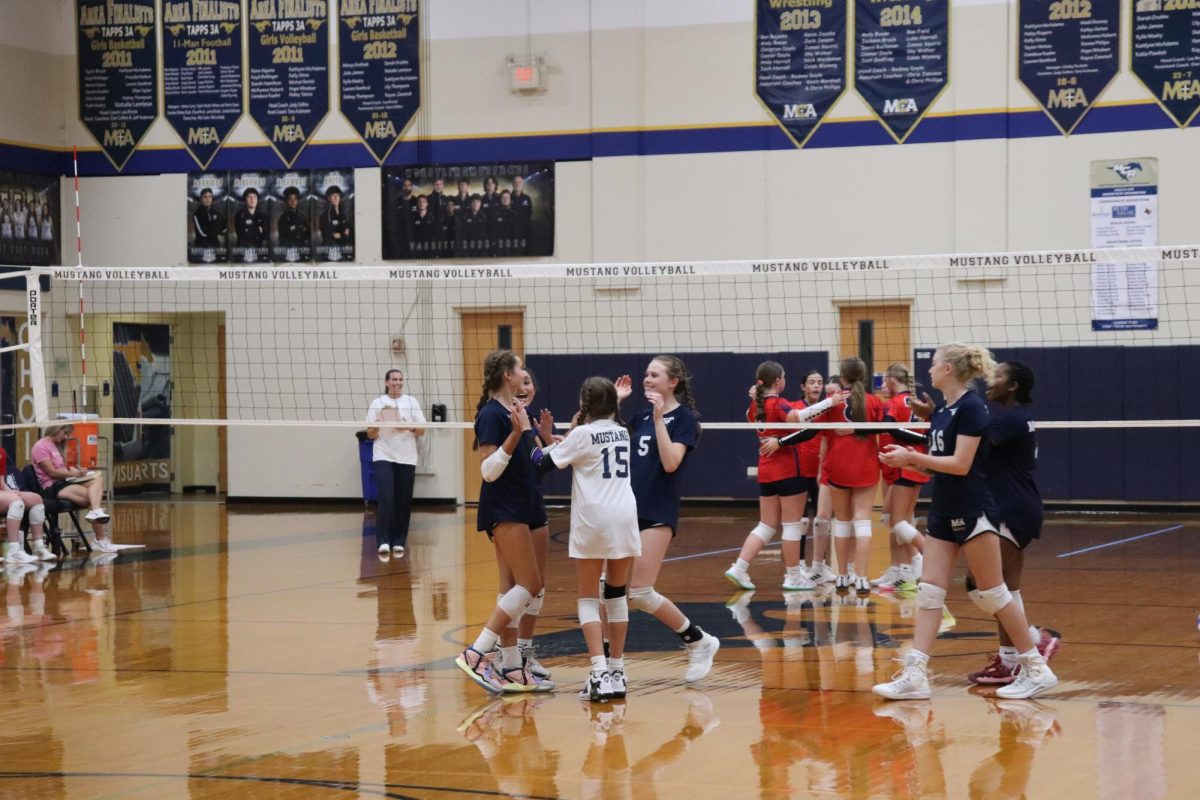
(1126, 540)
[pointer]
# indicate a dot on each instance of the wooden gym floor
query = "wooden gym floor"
(266, 652)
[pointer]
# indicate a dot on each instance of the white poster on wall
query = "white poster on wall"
(1125, 214)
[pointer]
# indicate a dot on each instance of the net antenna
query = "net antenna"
(79, 263)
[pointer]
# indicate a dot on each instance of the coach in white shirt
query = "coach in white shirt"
(395, 461)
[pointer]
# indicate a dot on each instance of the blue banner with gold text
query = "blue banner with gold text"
(800, 67)
(380, 69)
(118, 73)
(1166, 54)
(289, 71)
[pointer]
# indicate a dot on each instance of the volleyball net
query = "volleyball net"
(1113, 335)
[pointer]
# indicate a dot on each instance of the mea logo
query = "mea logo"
(118, 137)
(1126, 170)
(1181, 90)
(900, 105)
(799, 111)
(203, 136)
(1066, 98)
(288, 133)
(379, 129)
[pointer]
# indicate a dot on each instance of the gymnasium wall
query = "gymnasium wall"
(665, 155)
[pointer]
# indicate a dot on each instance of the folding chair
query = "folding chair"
(27, 479)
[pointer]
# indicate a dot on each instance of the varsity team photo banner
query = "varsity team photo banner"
(800, 61)
(118, 73)
(379, 69)
(29, 214)
(289, 71)
(202, 72)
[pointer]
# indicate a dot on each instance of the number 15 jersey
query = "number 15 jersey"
(603, 511)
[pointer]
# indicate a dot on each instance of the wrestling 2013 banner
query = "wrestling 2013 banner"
(289, 71)
(1067, 54)
(380, 69)
(202, 72)
(1166, 54)
(800, 67)
(118, 73)
(901, 59)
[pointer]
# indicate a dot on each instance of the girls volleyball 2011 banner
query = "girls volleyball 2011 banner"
(257, 216)
(468, 211)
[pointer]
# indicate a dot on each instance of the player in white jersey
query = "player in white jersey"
(604, 527)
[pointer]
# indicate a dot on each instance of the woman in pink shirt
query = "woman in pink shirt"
(52, 474)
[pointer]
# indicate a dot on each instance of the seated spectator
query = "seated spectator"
(55, 476)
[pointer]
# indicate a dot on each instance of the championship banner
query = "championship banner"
(1067, 54)
(118, 73)
(333, 207)
(380, 47)
(29, 206)
(142, 387)
(1166, 54)
(289, 71)
(202, 72)
(208, 217)
(800, 67)
(1125, 215)
(901, 59)
(468, 211)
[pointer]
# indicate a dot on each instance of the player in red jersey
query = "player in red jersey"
(782, 492)
(903, 488)
(852, 466)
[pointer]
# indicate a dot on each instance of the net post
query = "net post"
(37, 369)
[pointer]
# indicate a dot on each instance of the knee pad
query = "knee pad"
(37, 514)
(805, 526)
(930, 597)
(992, 600)
(904, 531)
(514, 601)
(1016, 593)
(588, 609)
(793, 531)
(820, 526)
(644, 598)
(862, 528)
(612, 592)
(764, 644)
(843, 529)
(764, 532)
(617, 608)
(535, 605)
(16, 509)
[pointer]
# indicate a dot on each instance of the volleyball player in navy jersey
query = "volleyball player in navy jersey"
(1012, 460)
(506, 510)
(962, 516)
(662, 438)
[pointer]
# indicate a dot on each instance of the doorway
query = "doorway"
(878, 334)
(483, 332)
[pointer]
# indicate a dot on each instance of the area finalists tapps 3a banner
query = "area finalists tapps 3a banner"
(1166, 54)
(800, 66)
(380, 69)
(118, 73)
(202, 72)
(289, 71)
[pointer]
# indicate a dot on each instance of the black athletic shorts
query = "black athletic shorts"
(646, 524)
(784, 488)
(904, 482)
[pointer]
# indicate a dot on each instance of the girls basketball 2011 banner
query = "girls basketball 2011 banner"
(800, 61)
(202, 72)
(380, 69)
(468, 210)
(1067, 54)
(118, 73)
(289, 71)
(901, 59)
(29, 206)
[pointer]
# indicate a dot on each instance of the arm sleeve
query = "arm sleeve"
(797, 437)
(494, 465)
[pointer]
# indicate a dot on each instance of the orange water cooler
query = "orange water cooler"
(83, 446)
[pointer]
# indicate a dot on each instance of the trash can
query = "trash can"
(366, 451)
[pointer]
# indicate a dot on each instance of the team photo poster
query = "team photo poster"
(257, 216)
(468, 211)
